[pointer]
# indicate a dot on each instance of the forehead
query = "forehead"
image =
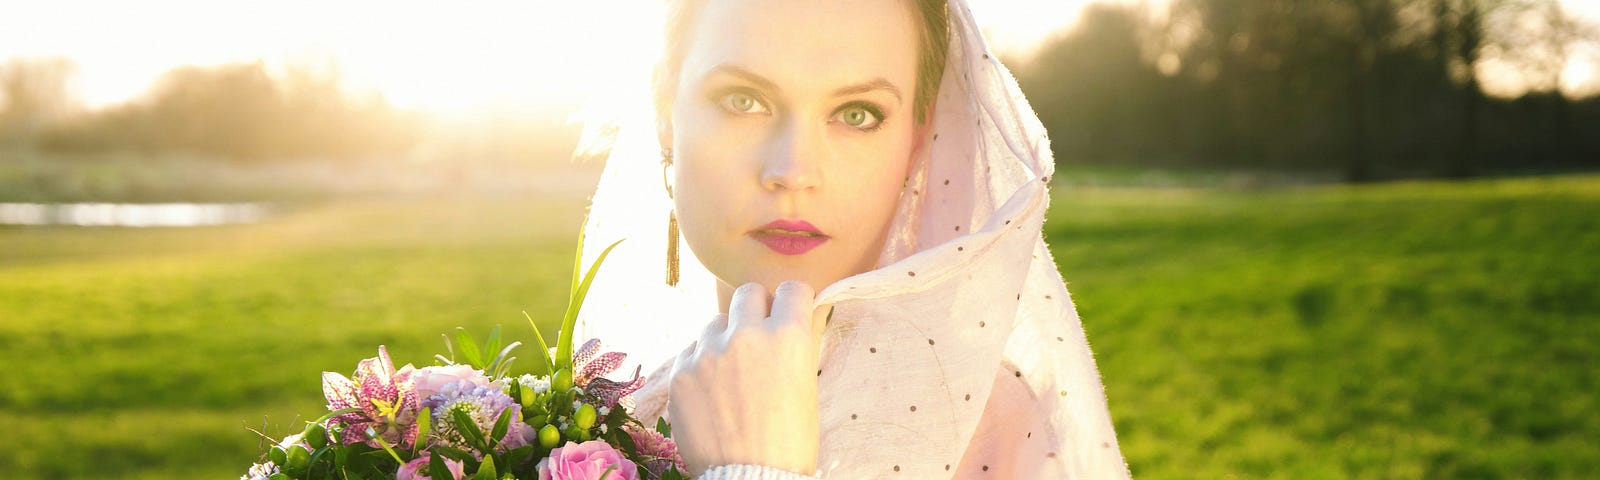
(806, 43)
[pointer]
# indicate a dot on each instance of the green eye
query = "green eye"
(855, 117)
(859, 117)
(742, 103)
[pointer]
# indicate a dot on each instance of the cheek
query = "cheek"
(711, 180)
(871, 189)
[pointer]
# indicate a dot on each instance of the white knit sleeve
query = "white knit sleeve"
(752, 472)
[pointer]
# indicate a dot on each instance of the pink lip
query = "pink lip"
(789, 237)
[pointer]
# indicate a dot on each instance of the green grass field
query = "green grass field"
(1408, 330)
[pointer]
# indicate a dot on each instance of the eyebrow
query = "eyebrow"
(871, 85)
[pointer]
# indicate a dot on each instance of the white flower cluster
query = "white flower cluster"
(539, 384)
(260, 471)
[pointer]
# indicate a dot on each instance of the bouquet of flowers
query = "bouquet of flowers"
(471, 418)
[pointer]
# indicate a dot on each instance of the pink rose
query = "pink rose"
(586, 461)
(417, 469)
(429, 380)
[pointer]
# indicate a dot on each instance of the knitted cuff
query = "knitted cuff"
(752, 472)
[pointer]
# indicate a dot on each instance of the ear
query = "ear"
(664, 130)
(922, 139)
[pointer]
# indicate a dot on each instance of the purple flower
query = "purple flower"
(483, 404)
(387, 399)
(586, 461)
(658, 451)
(417, 469)
(429, 380)
(591, 369)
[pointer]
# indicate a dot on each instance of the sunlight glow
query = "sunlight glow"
(463, 58)
(449, 58)
(487, 54)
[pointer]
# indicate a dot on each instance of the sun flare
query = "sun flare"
(490, 55)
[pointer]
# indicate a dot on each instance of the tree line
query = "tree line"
(1372, 89)
(1369, 88)
(238, 111)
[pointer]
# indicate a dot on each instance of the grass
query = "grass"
(1412, 330)
(1435, 330)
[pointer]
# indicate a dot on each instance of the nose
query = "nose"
(791, 160)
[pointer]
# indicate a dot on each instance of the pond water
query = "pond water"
(131, 214)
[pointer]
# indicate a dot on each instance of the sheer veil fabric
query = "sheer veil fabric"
(961, 355)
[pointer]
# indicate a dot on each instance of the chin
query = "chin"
(773, 275)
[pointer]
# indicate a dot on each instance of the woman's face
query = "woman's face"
(792, 132)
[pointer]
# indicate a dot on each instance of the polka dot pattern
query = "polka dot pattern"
(913, 366)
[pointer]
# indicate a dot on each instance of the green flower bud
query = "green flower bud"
(562, 381)
(299, 459)
(578, 434)
(316, 435)
(585, 416)
(527, 395)
(549, 436)
(277, 455)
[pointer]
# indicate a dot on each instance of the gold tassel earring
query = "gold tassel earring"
(672, 248)
(672, 223)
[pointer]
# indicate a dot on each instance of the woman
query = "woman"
(861, 188)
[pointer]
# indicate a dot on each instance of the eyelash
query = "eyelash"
(722, 97)
(871, 110)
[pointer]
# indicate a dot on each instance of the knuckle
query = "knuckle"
(794, 287)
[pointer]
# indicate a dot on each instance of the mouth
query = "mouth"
(789, 237)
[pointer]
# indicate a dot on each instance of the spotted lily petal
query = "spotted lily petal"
(340, 391)
(585, 353)
(609, 391)
(599, 367)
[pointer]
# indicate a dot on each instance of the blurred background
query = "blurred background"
(1308, 238)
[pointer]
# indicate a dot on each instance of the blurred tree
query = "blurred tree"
(1370, 88)
(34, 93)
(1092, 86)
(241, 111)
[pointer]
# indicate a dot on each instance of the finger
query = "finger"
(685, 358)
(716, 332)
(791, 303)
(715, 328)
(749, 306)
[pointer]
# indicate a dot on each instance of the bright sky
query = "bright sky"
(443, 56)
(448, 57)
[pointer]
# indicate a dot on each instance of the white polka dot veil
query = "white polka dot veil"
(961, 355)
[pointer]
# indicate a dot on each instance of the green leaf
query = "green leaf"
(544, 348)
(424, 426)
(663, 428)
(341, 458)
(317, 455)
(501, 425)
(448, 349)
(452, 453)
(492, 345)
(577, 261)
(468, 429)
(469, 348)
(518, 455)
(486, 471)
(437, 468)
(607, 473)
(385, 446)
(564, 340)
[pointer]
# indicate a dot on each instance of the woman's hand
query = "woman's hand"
(746, 392)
